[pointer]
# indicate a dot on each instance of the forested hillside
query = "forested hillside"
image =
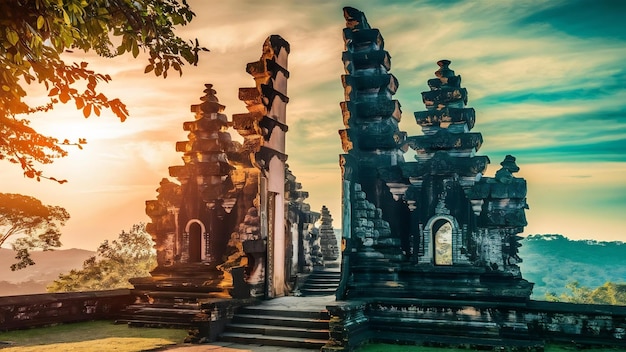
(35, 278)
(553, 261)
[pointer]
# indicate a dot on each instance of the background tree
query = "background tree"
(115, 262)
(609, 293)
(33, 36)
(31, 224)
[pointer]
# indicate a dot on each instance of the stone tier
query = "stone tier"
(374, 61)
(209, 105)
(445, 96)
(466, 143)
(196, 277)
(215, 122)
(247, 124)
(504, 204)
(443, 164)
(212, 145)
(368, 39)
(446, 117)
(380, 108)
(201, 168)
(369, 87)
(426, 281)
(372, 135)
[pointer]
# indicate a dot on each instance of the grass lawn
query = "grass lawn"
(381, 347)
(88, 337)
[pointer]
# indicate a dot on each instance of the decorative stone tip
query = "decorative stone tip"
(209, 94)
(444, 70)
(509, 164)
(355, 19)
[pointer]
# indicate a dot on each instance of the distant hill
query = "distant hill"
(553, 261)
(35, 278)
(550, 261)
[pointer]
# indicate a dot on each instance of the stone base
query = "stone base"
(196, 277)
(493, 325)
(395, 280)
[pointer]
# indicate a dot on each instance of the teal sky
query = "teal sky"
(547, 80)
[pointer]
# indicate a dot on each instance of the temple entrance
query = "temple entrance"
(194, 231)
(442, 242)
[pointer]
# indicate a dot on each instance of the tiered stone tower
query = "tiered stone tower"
(328, 240)
(187, 219)
(432, 228)
(371, 140)
(300, 221)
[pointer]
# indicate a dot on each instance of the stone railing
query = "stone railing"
(17, 312)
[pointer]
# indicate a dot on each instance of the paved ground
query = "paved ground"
(286, 303)
(234, 347)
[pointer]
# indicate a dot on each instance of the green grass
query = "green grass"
(90, 336)
(381, 347)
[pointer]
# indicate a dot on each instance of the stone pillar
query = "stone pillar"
(264, 128)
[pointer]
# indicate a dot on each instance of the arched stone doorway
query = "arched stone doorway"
(441, 240)
(196, 237)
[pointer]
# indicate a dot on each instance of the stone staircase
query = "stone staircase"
(296, 326)
(165, 309)
(321, 282)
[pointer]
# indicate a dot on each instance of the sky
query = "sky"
(546, 78)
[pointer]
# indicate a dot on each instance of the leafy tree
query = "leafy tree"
(35, 33)
(115, 262)
(609, 293)
(32, 225)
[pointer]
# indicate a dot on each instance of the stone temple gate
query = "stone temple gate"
(428, 247)
(429, 228)
(235, 225)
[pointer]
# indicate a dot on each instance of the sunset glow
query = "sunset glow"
(546, 80)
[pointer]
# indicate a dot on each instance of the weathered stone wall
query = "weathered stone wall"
(473, 324)
(26, 311)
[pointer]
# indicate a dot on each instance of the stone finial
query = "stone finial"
(505, 174)
(210, 104)
(355, 19)
(444, 70)
(509, 164)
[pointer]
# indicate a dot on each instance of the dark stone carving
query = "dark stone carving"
(429, 228)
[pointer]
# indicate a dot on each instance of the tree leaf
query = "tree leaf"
(12, 36)
(87, 112)
(40, 22)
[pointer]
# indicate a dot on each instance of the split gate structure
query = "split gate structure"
(429, 247)
(235, 228)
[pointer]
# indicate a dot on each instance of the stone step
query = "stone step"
(296, 313)
(265, 319)
(259, 339)
(319, 285)
(319, 291)
(140, 323)
(272, 330)
(326, 274)
(176, 305)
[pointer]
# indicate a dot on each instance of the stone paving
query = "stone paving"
(284, 303)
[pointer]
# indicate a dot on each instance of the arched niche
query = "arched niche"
(196, 241)
(442, 242)
(441, 237)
